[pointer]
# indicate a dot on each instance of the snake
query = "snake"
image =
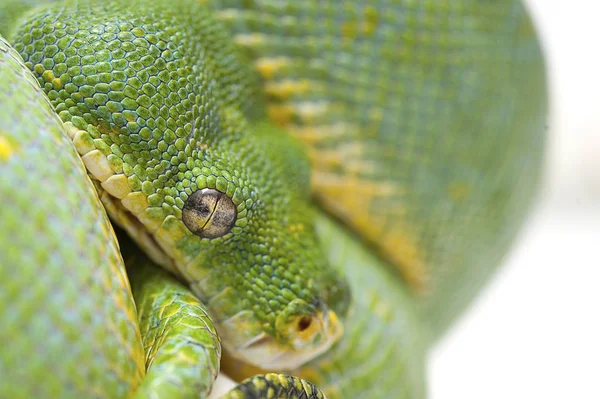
(302, 196)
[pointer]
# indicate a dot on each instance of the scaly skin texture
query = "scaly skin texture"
(382, 354)
(423, 124)
(276, 387)
(182, 347)
(424, 120)
(67, 314)
(157, 117)
(68, 319)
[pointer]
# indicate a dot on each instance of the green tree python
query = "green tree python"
(324, 185)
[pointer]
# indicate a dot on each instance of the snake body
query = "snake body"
(325, 186)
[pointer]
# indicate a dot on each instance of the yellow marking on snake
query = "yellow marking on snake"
(57, 83)
(347, 156)
(6, 148)
(317, 133)
(286, 88)
(280, 114)
(298, 227)
(350, 197)
(270, 66)
(48, 76)
(404, 252)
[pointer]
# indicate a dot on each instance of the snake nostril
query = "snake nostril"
(304, 323)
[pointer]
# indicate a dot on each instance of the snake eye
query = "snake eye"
(209, 213)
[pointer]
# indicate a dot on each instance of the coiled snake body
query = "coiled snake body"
(325, 185)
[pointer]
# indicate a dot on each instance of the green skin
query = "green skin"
(420, 128)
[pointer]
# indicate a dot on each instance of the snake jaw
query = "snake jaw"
(266, 352)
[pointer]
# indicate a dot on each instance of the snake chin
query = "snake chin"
(266, 352)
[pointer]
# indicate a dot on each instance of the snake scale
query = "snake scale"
(310, 192)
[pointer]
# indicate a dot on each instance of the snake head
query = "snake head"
(276, 301)
(168, 119)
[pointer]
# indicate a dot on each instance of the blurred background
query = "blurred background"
(535, 331)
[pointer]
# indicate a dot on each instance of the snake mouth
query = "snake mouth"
(266, 352)
(125, 206)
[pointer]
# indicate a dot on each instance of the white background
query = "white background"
(535, 331)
